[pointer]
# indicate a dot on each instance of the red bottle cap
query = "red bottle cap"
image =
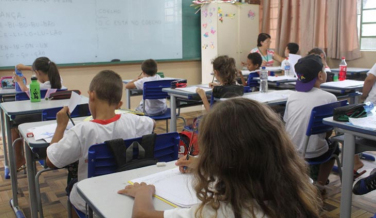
(343, 57)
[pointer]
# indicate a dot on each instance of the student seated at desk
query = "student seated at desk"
(48, 76)
(291, 48)
(224, 71)
(149, 73)
(104, 98)
(369, 87)
(232, 178)
(311, 74)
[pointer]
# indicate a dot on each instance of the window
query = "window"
(274, 7)
(367, 24)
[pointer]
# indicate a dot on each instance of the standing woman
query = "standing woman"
(263, 48)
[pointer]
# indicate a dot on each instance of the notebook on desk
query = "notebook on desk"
(343, 84)
(172, 187)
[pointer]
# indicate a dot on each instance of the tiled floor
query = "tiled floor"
(54, 200)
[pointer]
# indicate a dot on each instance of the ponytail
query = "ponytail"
(49, 68)
(225, 66)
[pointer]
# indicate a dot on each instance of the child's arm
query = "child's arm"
(204, 99)
(131, 84)
(143, 200)
(277, 57)
(368, 83)
(19, 80)
(242, 77)
(23, 67)
(62, 120)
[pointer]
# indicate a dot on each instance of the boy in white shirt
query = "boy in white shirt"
(291, 48)
(149, 73)
(104, 98)
(369, 87)
(311, 74)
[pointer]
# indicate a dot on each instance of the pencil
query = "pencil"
(70, 119)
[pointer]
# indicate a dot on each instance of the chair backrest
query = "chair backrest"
(315, 125)
(22, 96)
(251, 82)
(101, 160)
(81, 110)
(153, 89)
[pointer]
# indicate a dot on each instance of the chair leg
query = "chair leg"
(69, 208)
(184, 121)
(37, 189)
(167, 126)
(339, 167)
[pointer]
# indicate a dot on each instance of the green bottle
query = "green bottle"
(34, 90)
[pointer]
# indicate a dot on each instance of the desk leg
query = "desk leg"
(347, 176)
(13, 170)
(173, 113)
(31, 181)
(6, 163)
(128, 98)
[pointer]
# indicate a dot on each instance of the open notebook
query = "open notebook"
(172, 187)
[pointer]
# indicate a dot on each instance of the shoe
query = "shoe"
(368, 184)
(23, 167)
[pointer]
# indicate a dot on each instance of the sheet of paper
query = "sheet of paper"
(247, 72)
(73, 101)
(49, 92)
(343, 84)
(293, 59)
(267, 97)
(47, 131)
(193, 89)
(280, 78)
(172, 186)
(365, 122)
(274, 68)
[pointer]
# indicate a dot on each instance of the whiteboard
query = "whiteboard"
(80, 31)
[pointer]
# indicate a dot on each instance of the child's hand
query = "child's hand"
(200, 92)
(62, 118)
(184, 164)
(20, 66)
(136, 188)
(17, 78)
(211, 85)
(244, 64)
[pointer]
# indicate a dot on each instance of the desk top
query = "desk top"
(351, 70)
(185, 94)
(348, 126)
(27, 107)
(101, 192)
(40, 143)
(343, 85)
(126, 81)
(8, 92)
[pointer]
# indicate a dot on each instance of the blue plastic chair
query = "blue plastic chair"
(80, 111)
(316, 126)
(251, 82)
(101, 161)
(22, 96)
(153, 91)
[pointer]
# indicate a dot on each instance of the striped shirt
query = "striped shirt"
(268, 58)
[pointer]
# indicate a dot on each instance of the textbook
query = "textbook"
(172, 187)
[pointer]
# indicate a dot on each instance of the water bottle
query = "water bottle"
(263, 80)
(342, 69)
(368, 106)
(34, 90)
(287, 67)
(19, 73)
(335, 77)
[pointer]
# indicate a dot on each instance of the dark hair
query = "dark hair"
(293, 48)
(262, 37)
(317, 51)
(149, 67)
(251, 172)
(225, 66)
(46, 66)
(255, 58)
(108, 86)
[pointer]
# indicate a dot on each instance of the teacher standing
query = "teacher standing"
(263, 48)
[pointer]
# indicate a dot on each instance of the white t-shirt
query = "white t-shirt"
(298, 111)
(152, 107)
(372, 94)
(224, 211)
(76, 142)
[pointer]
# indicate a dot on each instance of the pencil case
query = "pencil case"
(179, 84)
(63, 94)
(7, 82)
(342, 114)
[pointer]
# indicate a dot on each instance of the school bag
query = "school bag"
(124, 157)
(188, 139)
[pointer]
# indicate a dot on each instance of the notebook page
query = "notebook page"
(343, 84)
(193, 89)
(173, 186)
(267, 97)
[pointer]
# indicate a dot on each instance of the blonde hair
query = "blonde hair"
(249, 162)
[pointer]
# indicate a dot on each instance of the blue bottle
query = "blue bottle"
(19, 73)
(368, 106)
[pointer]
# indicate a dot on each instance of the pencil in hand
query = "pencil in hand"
(70, 118)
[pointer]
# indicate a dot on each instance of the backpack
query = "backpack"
(189, 140)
